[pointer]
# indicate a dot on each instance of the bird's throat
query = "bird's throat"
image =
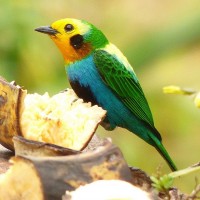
(71, 54)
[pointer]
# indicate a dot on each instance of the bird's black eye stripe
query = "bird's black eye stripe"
(68, 27)
(76, 41)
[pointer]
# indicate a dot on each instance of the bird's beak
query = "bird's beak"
(47, 30)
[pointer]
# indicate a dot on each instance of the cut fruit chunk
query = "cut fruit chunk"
(63, 119)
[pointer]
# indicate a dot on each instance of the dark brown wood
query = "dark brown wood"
(59, 174)
(25, 147)
(5, 155)
(140, 179)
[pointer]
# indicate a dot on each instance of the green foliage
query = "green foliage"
(165, 182)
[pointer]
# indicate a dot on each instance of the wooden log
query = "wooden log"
(52, 176)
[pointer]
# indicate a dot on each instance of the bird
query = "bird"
(99, 73)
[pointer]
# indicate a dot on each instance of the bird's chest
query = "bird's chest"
(88, 84)
(85, 80)
(83, 71)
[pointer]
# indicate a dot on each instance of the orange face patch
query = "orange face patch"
(71, 54)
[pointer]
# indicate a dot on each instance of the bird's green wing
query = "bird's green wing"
(124, 83)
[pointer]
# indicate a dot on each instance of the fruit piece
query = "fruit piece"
(62, 119)
(110, 190)
(11, 97)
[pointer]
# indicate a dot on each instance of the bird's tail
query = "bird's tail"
(151, 135)
(163, 152)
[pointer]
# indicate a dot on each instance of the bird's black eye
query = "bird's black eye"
(76, 41)
(68, 27)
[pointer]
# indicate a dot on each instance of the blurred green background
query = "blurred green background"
(161, 39)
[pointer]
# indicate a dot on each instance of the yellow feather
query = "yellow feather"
(113, 50)
(62, 39)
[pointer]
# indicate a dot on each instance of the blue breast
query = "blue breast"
(85, 73)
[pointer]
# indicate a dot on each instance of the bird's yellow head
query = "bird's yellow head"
(76, 39)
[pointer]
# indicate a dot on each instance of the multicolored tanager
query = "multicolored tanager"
(99, 73)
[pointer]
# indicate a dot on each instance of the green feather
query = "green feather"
(124, 83)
